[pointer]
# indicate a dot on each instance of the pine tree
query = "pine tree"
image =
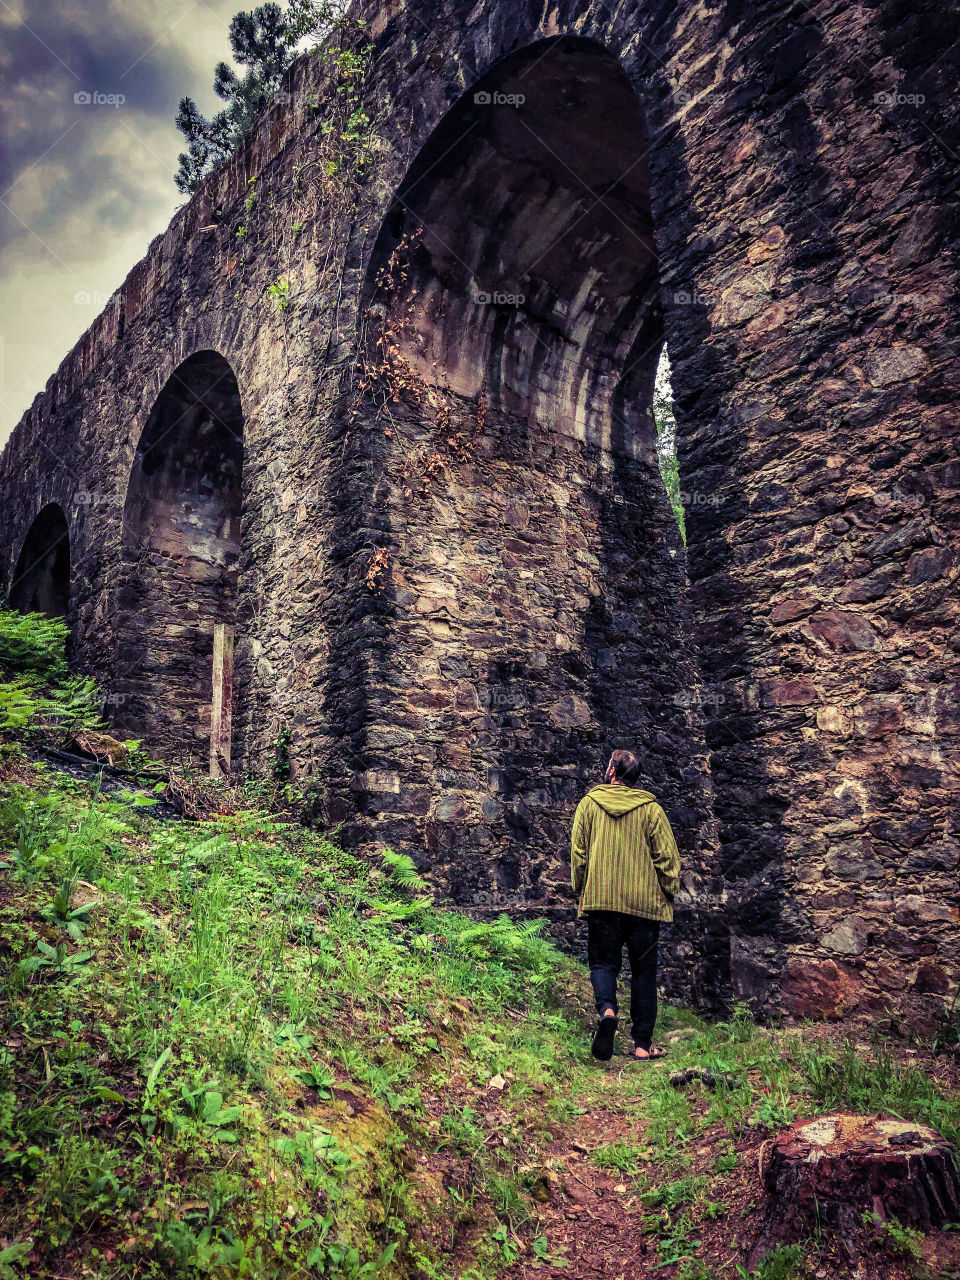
(264, 41)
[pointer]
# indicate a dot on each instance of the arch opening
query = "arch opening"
(181, 546)
(511, 329)
(665, 420)
(41, 579)
(522, 236)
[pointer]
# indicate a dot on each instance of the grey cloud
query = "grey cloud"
(86, 186)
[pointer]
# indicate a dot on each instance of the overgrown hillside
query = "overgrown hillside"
(229, 1048)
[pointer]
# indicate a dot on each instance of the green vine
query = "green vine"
(282, 769)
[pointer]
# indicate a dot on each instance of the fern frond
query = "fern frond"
(17, 707)
(403, 871)
(31, 642)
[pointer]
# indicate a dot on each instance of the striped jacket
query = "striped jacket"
(623, 855)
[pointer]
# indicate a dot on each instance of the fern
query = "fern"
(503, 939)
(225, 837)
(70, 707)
(239, 828)
(39, 694)
(403, 872)
(29, 642)
(411, 909)
(18, 706)
(74, 706)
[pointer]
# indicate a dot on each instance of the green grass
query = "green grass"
(231, 1049)
(670, 1195)
(848, 1078)
(785, 1262)
(174, 1039)
(621, 1157)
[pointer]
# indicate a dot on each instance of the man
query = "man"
(626, 870)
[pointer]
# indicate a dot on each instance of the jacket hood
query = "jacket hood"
(616, 800)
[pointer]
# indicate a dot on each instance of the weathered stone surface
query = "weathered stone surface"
(929, 565)
(819, 990)
(793, 608)
(895, 364)
(787, 693)
(843, 631)
(912, 907)
(931, 978)
(849, 937)
(455, 560)
(851, 863)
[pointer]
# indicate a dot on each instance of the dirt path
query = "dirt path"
(595, 1223)
(602, 1223)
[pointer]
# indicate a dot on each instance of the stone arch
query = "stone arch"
(538, 290)
(529, 576)
(41, 579)
(180, 556)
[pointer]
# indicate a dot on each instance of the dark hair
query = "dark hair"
(626, 765)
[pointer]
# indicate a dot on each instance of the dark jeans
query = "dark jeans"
(608, 932)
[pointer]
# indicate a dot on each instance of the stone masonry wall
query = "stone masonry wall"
(455, 644)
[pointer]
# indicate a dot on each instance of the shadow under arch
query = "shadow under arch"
(509, 336)
(521, 239)
(41, 579)
(181, 545)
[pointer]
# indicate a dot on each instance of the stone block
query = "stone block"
(849, 938)
(915, 908)
(854, 862)
(931, 979)
(819, 989)
(842, 631)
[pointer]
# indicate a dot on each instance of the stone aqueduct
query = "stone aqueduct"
(393, 433)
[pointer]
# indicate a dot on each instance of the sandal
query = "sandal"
(649, 1055)
(602, 1046)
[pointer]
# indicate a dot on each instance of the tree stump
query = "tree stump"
(833, 1170)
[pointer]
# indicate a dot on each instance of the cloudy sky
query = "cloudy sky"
(86, 184)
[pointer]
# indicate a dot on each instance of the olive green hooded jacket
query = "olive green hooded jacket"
(623, 855)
